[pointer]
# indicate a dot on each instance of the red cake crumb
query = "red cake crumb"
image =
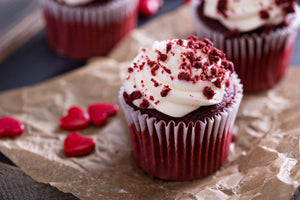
(208, 92)
(222, 7)
(135, 95)
(130, 70)
(145, 104)
(180, 42)
(168, 48)
(156, 84)
(218, 83)
(165, 91)
(197, 65)
(184, 76)
(161, 56)
(264, 14)
(154, 69)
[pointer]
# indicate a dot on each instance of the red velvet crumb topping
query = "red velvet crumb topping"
(208, 92)
(222, 6)
(165, 91)
(135, 95)
(145, 104)
(264, 14)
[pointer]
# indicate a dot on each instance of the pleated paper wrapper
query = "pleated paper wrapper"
(263, 162)
(182, 151)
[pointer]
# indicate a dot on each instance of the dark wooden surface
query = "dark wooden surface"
(16, 185)
(35, 62)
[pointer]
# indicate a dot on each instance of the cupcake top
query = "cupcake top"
(248, 15)
(177, 76)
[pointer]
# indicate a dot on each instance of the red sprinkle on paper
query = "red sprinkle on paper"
(99, 112)
(10, 127)
(77, 145)
(148, 8)
(76, 119)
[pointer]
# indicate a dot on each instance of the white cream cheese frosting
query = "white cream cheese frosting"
(248, 15)
(178, 76)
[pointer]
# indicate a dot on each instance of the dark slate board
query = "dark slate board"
(16, 185)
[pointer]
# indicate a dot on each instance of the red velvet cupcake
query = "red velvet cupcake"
(180, 99)
(80, 29)
(258, 36)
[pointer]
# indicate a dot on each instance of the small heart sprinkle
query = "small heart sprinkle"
(76, 119)
(148, 8)
(10, 127)
(77, 145)
(99, 112)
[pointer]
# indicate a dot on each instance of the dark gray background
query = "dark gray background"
(35, 62)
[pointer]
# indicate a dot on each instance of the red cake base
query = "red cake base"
(178, 161)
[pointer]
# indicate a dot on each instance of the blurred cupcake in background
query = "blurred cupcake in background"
(180, 99)
(80, 29)
(257, 35)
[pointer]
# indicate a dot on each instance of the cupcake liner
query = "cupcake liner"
(260, 60)
(81, 32)
(178, 151)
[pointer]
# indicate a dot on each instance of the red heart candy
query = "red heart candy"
(77, 145)
(100, 111)
(149, 7)
(186, 1)
(10, 127)
(76, 119)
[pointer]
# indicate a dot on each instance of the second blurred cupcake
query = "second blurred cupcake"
(80, 29)
(258, 36)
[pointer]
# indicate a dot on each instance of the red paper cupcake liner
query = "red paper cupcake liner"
(80, 32)
(260, 60)
(178, 151)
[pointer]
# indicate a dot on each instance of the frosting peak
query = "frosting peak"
(248, 15)
(178, 76)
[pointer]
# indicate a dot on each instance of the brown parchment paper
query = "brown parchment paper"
(263, 163)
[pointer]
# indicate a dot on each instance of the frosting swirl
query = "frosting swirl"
(248, 15)
(178, 76)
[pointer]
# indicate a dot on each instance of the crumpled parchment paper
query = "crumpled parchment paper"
(263, 163)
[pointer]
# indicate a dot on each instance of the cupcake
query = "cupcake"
(258, 36)
(80, 29)
(180, 99)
